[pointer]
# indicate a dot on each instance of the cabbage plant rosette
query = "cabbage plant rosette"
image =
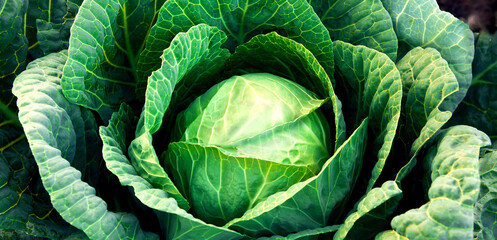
(241, 133)
(254, 144)
(245, 156)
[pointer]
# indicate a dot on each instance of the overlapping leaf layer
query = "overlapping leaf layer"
(336, 125)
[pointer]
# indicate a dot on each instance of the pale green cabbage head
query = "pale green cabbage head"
(266, 120)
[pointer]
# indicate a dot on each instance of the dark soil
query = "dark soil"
(479, 14)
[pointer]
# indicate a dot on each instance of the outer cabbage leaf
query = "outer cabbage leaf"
(106, 38)
(73, 6)
(193, 50)
(14, 47)
(390, 235)
(359, 22)
(57, 133)
(281, 213)
(372, 87)
(52, 30)
(451, 160)
(240, 20)
(372, 214)
(486, 206)
(25, 205)
(479, 108)
(44, 12)
(291, 60)
(420, 23)
(176, 222)
(306, 234)
(427, 83)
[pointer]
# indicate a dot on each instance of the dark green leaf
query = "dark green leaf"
(372, 214)
(240, 20)
(359, 22)
(420, 23)
(14, 47)
(479, 108)
(486, 206)
(106, 38)
(372, 88)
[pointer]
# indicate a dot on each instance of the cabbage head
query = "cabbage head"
(258, 132)
(285, 119)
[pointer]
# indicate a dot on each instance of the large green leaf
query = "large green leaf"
(14, 47)
(55, 129)
(359, 22)
(43, 12)
(193, 50)
(320, 195)
(372, 214)
(53, 37)
(240, 20)
(479, 108)
(486, 206)
(371, 85)
(175, 221)
(427, 82)
(73, 6)
(420, 23)
(190, 51)
(25, 205)
(390, 235)
(451, 163)
(305, 234)
(53, 29)
(290, 59)
(106, 38)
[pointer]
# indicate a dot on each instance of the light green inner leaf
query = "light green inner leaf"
(199, 46)
(290, 59)
(282, 213)
(222, 186)
(259, 115)
(175, 221)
